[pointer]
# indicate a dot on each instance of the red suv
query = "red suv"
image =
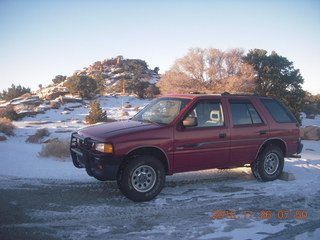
(179, 133)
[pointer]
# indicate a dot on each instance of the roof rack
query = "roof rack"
(227, 94)
(240, 95)
(197, 92)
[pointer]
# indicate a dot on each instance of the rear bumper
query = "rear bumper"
(300, 147)
(100, 166)
(299, 150)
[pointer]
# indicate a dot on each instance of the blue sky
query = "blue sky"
(42, 39)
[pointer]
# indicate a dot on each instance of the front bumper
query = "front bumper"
(99, 165)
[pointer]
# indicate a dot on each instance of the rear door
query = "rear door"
(248, 131)
(205, 145)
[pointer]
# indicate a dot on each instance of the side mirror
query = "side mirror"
(190, 122)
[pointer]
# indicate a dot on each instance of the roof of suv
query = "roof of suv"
(224, 95)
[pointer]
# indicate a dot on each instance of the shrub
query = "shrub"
(9, 113)
(59, 148)
(152, 91)
(14, 91)
(55, 105)
(58, 79)
(83, 85)
(6, 127)
(36, 138)
(96, 114)
(310, 109)
(143, 88)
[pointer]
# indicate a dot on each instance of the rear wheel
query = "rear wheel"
(142, 178)
(269, 164)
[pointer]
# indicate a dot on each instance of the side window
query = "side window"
(279, 112)
(244, 114)
(208, 114)
(254, 115)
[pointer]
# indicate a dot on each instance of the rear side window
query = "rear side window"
(278, 111)
(244, 114)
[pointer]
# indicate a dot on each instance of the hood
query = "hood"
(106, 131)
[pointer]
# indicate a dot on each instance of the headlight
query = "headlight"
(104, 147)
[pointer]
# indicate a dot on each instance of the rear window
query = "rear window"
(278, 111)
(244, 114)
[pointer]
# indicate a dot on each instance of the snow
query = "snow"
(310, 122)
(21, 160)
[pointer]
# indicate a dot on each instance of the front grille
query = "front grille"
(79, 141)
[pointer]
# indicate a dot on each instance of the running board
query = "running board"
(295, 156)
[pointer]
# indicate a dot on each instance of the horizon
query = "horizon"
(42, 39)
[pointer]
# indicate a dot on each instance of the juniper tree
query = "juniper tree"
(96, 113)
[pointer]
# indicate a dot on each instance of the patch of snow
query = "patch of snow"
(310, 122)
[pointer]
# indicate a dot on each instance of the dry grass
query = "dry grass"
(59, 148)
(9, 112)
(4, 120)
(36, 138)
(6, 127)
(124, 114)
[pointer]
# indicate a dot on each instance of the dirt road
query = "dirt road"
(60, 209)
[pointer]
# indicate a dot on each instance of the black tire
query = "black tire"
(269, 164)
(141, 178)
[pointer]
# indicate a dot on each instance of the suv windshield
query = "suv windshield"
(162, 110)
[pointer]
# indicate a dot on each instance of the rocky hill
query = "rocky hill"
(115, 75)
(115, 72)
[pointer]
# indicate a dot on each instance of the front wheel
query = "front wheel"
(142, 178)
(269, 164)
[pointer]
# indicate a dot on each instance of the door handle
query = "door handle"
(222, 135)
(263, 132)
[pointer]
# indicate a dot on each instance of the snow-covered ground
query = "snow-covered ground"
(186, 206)
(21, 159)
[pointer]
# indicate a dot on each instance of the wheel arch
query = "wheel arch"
(152, 151)
(273, 141)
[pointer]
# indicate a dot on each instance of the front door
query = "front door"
(205, 145)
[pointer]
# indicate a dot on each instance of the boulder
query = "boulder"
(54, 95)
(72, 99)
(310, 133)
(285, 176)
(55, 104)
(30, 113)
(3, 138)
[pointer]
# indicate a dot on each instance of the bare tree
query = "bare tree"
(209, 70)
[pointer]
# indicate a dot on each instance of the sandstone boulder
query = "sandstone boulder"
(310, 133)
